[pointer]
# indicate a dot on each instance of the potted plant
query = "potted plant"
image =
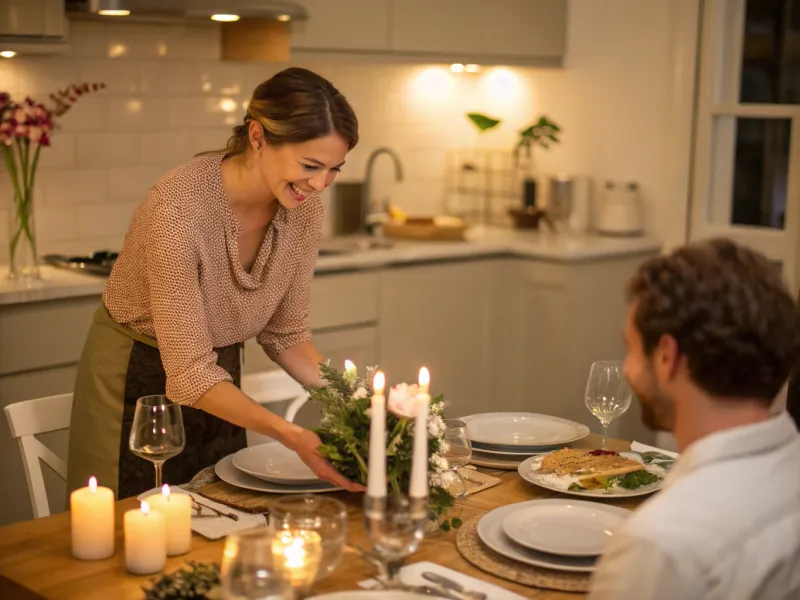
(542, 133)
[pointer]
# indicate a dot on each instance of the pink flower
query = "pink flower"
(401, 401)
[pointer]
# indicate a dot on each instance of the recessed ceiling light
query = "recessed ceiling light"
(473, 68)
(457, 68)
(8, 54)
(284, 18)
(225, 18)
(114, 13)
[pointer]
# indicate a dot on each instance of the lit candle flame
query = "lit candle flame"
(145, 508)
(165, 491)
(349, 365)
(93, 484)
(424, 380)
(379, 383)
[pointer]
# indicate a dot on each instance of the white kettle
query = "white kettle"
(619, 210)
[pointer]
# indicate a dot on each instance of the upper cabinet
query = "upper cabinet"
(479, 31)
(343, 26)
(474, 30)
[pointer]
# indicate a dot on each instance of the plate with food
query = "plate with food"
(598, 473)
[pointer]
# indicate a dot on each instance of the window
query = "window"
(746, 181)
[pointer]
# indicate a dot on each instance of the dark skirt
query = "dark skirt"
(793, 397)
(119, 366)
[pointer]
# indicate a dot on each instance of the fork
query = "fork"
(199, 508)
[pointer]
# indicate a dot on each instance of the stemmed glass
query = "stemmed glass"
(247, 571)
(458, 449)
(395, 526)
(157, 433)
(607, 393)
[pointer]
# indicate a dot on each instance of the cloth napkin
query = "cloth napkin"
(639, 447)
(412, 575)
(215, 528)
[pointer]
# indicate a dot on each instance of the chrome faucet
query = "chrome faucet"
(366, 201)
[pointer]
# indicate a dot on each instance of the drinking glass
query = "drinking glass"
(607, 393)
(326, 516)
(457, 449)
(157, 433)
(395, 526)
(247, 571)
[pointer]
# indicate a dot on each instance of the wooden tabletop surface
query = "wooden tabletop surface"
(35, 558)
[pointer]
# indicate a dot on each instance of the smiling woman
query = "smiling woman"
(222, 249)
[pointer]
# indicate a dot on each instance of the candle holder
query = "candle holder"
(326, 516)
(248, 569)
(297, 554)
(395, 525)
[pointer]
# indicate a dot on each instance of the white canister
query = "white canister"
(580, 219)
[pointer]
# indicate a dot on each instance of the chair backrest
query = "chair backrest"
(28, 419)
(275, 386)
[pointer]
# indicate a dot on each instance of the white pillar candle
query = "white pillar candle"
(92, 522)
(145, 540)
(419, 461)
(350, 371)
(376, 469)
(177, 510)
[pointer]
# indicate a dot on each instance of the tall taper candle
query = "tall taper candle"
(376, 472)
(419, 464)
(92, 522)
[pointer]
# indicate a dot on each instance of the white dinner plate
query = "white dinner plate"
(490, 530)
(515, 454)
(548, 482)
(230, 474)
(276, 463)
(565, 527)
(369, 595)
(503, 431)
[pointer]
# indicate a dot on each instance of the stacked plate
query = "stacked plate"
(512, 437)
(564, 535)
(271, 468)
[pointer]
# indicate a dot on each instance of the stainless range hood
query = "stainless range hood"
(179, 10)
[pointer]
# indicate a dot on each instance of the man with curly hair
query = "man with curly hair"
(711, 336)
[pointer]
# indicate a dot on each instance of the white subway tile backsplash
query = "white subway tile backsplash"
(189, 113)
(62, 152)
(56, 223)
(108, 150)
(122, 78)
(165, 148)
(107, 220)
(203, 140)
(74, 186)
(140, 114)
(131, 184)
(87, 40)
(9, 77)
(40, 77)
(88, 114)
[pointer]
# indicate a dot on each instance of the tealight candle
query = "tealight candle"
(376, 469)
(92, 522)
(145, 540)
(419, 458)
(298, 555)
(177, 510)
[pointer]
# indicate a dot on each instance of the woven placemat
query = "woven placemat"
(473, 550)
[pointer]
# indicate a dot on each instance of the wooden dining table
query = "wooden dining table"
(36, 562)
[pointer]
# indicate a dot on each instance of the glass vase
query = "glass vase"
(22, 252)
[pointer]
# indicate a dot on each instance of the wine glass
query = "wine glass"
(607, 393)
(395, 526)
(458, 449)
(157, 433)
(247, 571)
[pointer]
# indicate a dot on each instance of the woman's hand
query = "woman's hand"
(306, 443)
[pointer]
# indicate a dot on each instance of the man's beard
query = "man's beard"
(658, 411)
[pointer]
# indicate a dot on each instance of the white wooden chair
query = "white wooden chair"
(28, 419)
(272, 387)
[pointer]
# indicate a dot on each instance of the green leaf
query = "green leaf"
(456, 522)
(446, 526)
(483, 122)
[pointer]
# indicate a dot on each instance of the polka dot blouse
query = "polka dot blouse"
(179, 279)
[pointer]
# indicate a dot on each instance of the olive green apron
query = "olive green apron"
(118, 366)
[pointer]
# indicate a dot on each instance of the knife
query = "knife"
(449, 584)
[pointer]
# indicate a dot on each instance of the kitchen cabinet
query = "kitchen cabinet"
(343, 25)
(437, 316)
(479, 31)
(517, 29)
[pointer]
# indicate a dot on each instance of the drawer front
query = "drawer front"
(41, 334)
(343, 300)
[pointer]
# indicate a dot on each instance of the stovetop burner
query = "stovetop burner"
(99, 263)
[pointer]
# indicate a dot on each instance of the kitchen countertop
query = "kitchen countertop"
(481, 243)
